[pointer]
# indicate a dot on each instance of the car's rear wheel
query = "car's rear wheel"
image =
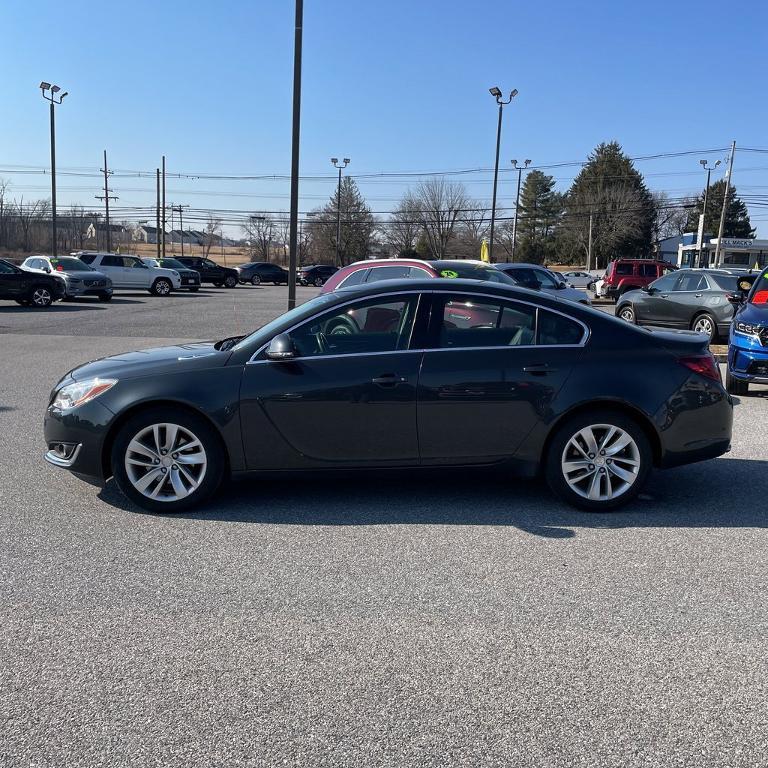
(735, 386)
(627, 313)
(230, 282)
(705, 323)
(255, 280)
(598, 461)
(40, 297)
(167, 460)
(161, 287)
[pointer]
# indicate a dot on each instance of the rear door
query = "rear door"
(688, 298)
(490, 373)
(114, 268)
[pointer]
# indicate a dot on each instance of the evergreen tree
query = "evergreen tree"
(614, 193)
(540, 209)
(737, 223)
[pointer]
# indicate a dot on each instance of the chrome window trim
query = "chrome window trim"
(582, 343)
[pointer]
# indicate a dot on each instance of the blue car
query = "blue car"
(748, 340)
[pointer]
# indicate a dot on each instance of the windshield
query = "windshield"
(759, 293)
(70, 265)
(286, 320)
(453, 270)
(172, 264)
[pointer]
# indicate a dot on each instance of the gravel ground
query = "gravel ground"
(421, 620)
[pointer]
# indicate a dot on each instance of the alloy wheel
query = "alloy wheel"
(627, 314)
(704, 325)
(255, 280)
(41, 297)
(601, 462)
(165, 462)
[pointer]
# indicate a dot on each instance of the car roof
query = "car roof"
(508, 264)
(389, 262)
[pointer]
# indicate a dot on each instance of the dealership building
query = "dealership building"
(735, 252)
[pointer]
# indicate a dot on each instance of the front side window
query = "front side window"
(112, 261)
(88, 258)
(210, 264)
(624, 269)
(546, 280)
(355, 278)
(374, 325)
(666, 283)
(6, 269)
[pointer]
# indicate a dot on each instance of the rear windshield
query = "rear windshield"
(726, 282)
(472, 272)
(70, 265)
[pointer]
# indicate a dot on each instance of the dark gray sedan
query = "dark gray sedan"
(698, 299)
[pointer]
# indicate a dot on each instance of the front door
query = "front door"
(491, 373)
(347, 399)
(656, 307)
(13, 283)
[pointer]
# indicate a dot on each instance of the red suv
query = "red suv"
(374, 270)
(625, 275)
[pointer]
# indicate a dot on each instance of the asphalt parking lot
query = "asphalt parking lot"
(426, 620)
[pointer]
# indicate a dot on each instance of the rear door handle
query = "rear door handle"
(388, 380)
(540, 369)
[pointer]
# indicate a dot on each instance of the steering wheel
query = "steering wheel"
(322, 343)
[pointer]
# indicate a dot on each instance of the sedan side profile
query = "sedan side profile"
(426, 373)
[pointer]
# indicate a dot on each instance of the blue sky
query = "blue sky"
(395, 86)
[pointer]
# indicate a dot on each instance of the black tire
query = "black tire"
(705, 323)
(591, 286)
(230, 282)
(218, 285)
(626, 312)
(735, 386)
(105, 297)
(255, 280)
(195, 289)
(161, 287)
(318, 282)
(598, 418)
(212, 445)
(40, 297)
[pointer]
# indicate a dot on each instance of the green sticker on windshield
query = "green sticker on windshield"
(449, 273)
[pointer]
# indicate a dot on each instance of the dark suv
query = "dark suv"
(625, 275)
(210, 271)
(29, 288)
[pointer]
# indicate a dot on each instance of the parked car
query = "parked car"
(624, 275)
(536, 277)
(748, 340)
(190, 279)
(315, 274)
(374, 270)
(548, 387)
(79, 278)
(257, 272)
(131, 272)
(30, 289)
(210, 271)
(698, 299)
(579, 279)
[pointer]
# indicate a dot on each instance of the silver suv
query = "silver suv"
(131, 272)
(79, 278)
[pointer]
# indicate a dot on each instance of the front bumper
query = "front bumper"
(747, 359)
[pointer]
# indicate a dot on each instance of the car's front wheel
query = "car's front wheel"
(230, 282)
(161, 287)
(167, 459)
(255, 280)
(705, 323)
(627, 313)
(598, 461)
(41, 297)
(735, 386)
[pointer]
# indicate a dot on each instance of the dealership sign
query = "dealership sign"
(743, 242)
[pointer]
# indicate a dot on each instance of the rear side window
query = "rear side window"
(554, 329)
(112, 261)
(625, 269)
(87, 258)
(387, 273)
(418, 273)
(648, 270)
(467, 323)
(355, 278)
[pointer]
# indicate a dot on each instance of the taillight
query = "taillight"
(704, 365)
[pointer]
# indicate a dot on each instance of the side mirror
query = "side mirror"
(47, 269)
(736, 298)
(647, 289)
(281, 348)
(562, 285)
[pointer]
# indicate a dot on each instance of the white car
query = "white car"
(131, 272)
(578, 279)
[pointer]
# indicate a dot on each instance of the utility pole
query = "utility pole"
(726, 194)
(180, 209)
(589, 244)
(106, 197)
(294, 215)
(496, 93)
(157, 214)
(517, 203)
(163, 209)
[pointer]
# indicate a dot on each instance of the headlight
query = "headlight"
(747, 329)
(74, 395)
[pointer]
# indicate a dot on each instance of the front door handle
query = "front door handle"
(388, 380)
(697, 295)
(539, 369)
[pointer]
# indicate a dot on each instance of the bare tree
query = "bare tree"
(669, 219)
(402, 229)
(259, 230)
(473, 225)
(438, 204)
(212, 226)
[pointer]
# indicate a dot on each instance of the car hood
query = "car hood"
(164, 271)
(153, 362)
(754, 314)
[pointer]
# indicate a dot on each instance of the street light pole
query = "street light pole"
(496, 93)
(296, 132)
(700, 238)
(517, 203)
(54, 89)
(335, 161)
